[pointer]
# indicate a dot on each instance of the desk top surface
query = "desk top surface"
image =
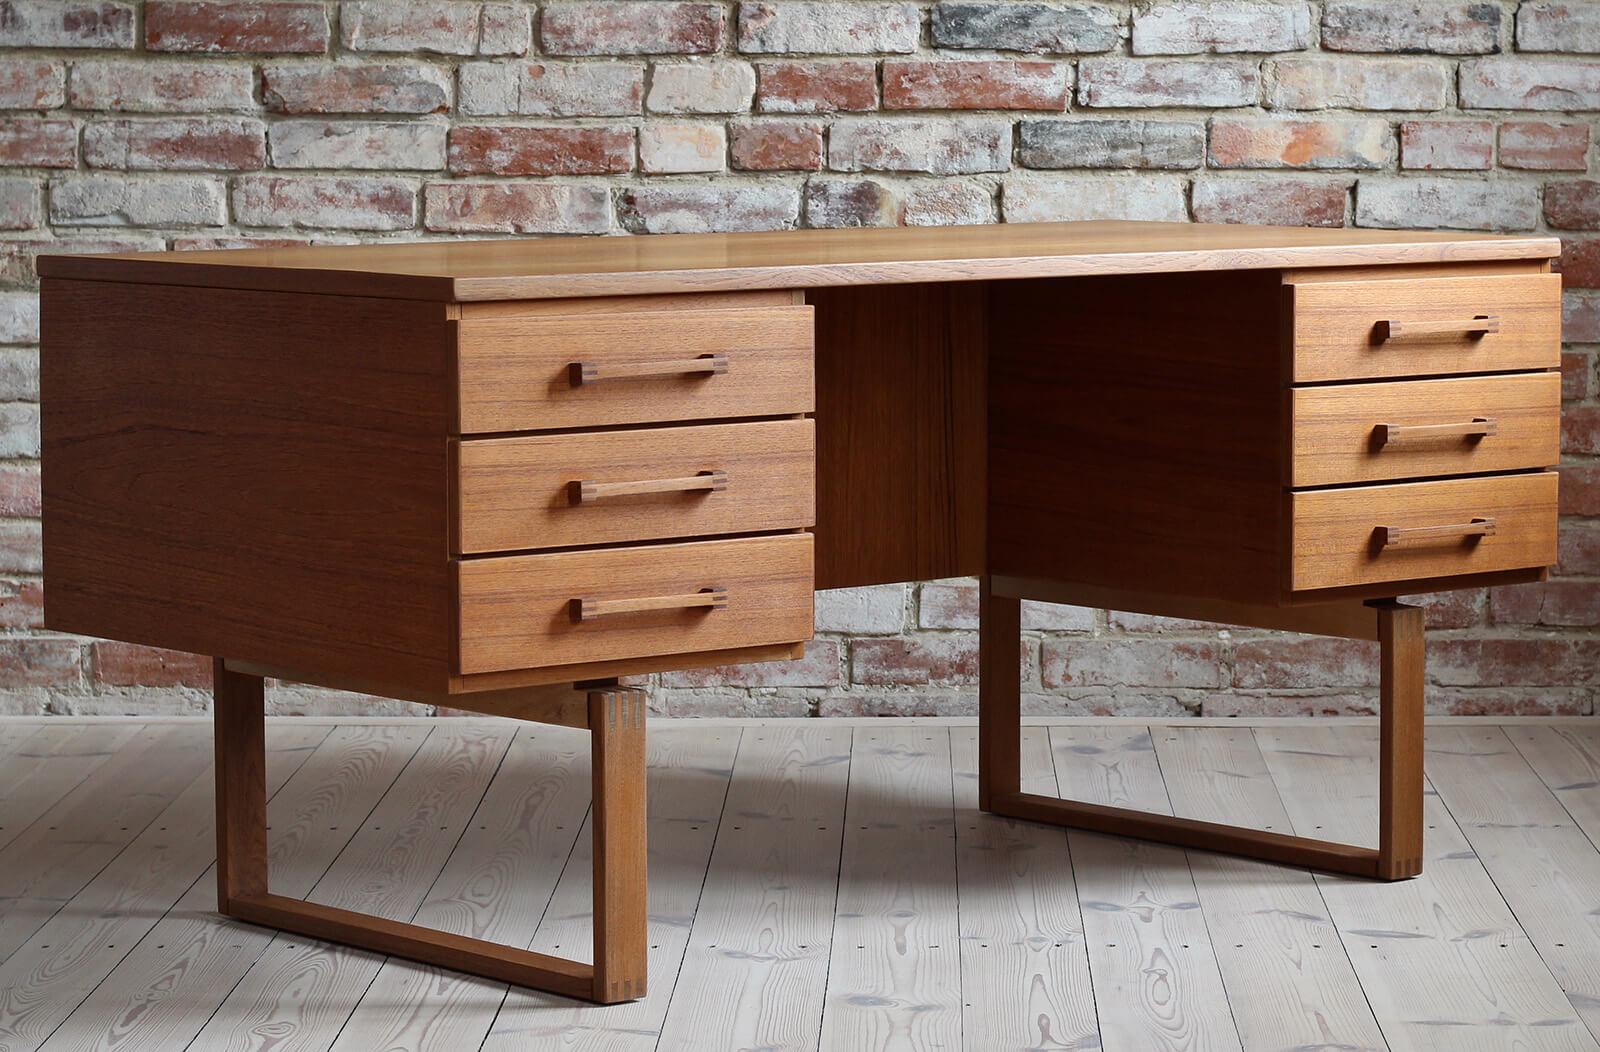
(551, 267)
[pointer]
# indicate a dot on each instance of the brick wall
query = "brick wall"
(198, 124)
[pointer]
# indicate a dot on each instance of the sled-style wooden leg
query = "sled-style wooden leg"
(616, 720)
(1399, 632)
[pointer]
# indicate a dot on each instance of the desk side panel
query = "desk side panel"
(1136, 433)
(255, 475)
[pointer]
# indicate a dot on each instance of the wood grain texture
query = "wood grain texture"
(519, 492)
(1156, 979)
(1335, 534)
(385, 871)
(999, 694)
(688, 780)
(1024, 968)
(895, 977)
(43, 765)
(900, 418)
(537, 268)
(516, 611)
(1441, 957)
(1336, 324)
(1539, 858)
(756, 968)
(222, 477)
(66, 846)
(66, 959)
(621, 867)
(193, 956)
(515, 372)
(1401, 703)
(1333, 440)
(239, 729)
(1289, 981)
(1138, 444)
(1567, 759)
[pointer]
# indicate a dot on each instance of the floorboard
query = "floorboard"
(815, 885)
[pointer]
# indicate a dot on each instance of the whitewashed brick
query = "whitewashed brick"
(1358, 84)
(870, 610)
(105, 200)
(1559, 25)
(1456, 204)
(935, 145)
(672, 149)
(1530, 84)
(1187, 28)
(1037, 198)
(1125, 82)
(828, 27)
(358, 144)
(702, 87)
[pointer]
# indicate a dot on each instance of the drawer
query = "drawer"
(552, 491)
(1415, 530)
(1409, 429)
(567, 371)
(1349, 330)
(562, 608)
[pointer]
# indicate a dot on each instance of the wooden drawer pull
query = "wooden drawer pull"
(1393, 535)
(589, 609)
(588, 490)
(1404, 330)
(588, 372)
(1477, 427)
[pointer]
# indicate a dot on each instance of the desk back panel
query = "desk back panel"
(900, 432)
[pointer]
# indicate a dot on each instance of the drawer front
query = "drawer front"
(552, 491)
(1371, 432)
(1349, 330)
(562, 608)
(566, 371)
(1339, 535)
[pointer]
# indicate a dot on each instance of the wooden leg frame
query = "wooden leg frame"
(1397, 628)
(615, 717)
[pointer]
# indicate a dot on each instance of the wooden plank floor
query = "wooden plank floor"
(815, 885)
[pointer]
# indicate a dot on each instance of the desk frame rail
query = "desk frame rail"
(615, 719)
(1395, 626)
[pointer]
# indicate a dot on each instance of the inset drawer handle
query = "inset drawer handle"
(589, 609)
(1477, 427)
(1393, 535)
(1405, 330)
(588, 372)
(587, 490)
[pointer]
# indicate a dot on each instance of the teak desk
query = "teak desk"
(504, 475)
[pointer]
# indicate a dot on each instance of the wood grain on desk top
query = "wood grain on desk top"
(540, 268)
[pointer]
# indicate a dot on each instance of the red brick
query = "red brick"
(1276, 202)
(1580, 489)
(1579, 548)
(21, 604)
(1577, 375)
(37, 143)
(1461, 609)
(976, 85)
(1513, 702)
(1277, 143)
(1580, 429)
(1447, 145)
(1127, 662)
(1552, 662)
(379, 88)
(914, 661)
(1557, 602)
(128, 665)
(629, 27)
(519, 150)
(770, 146)
(1573, 205)
(816, 87)
(236, 26)
(66, 24)
(516, 208)
(1305, 663)
(1580, 262)
(324, 201)
(40, 662)
(19, 490)
(146, 86)
(170, 145)
(1544, 146)
(820, 667)
(31, 84)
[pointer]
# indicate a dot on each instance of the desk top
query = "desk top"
(552, 267)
